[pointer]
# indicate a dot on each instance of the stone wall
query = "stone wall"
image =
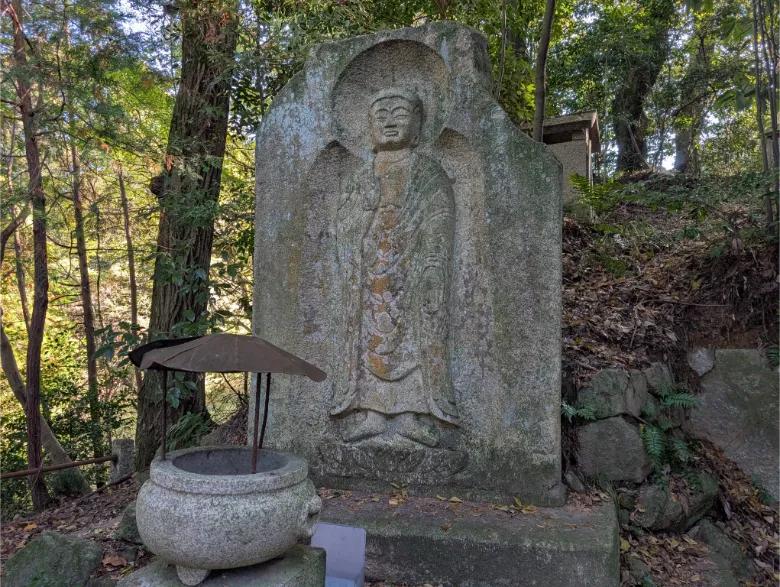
(737, 411)
(611, 446)
(611, 449)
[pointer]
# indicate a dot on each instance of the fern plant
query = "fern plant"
(585, 412)
(600, 197)
(773, 354)
(665, 450)
(674, 395)
(188, 430)
(774, 351)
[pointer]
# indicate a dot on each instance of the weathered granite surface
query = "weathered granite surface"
(738, 410)
(128, 528)
(202, 508)
(408, 242)
(122, 449)
(53, 559)
(424, 540)
(614, 449)
(721, 544)
(613, 392)
(302, 566)
(658, 510)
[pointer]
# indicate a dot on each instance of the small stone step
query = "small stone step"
(302, 566)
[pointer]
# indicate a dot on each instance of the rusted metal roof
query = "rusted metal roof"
(222, 353)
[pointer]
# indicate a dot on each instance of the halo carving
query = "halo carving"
(407, 65)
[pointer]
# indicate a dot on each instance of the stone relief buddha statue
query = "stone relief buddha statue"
(395, 232)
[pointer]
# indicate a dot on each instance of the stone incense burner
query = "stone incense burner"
(203, 509)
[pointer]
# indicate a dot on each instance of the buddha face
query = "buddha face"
(395, 124)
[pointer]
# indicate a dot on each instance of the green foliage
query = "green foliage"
(673, 394)
(763, 495)
(64, 405)
(584, 412)
(773, 352)
(615, 266)
(188, 430)
(655, 445)
(599, 197)
(665, 450)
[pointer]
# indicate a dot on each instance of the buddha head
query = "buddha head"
(396, 119)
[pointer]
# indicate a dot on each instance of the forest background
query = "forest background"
(128, 174)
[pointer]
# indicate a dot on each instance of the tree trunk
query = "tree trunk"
(694, 92)
(768, 208)
(540, 92)
(131, 265)
(21, 281)
(50, 443)
(18, 219)
(188, 194)
(629, 120)
(86, 304)
(32, 406)
(769, 50)
(683, 143)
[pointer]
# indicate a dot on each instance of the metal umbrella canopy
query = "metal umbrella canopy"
(224, 353)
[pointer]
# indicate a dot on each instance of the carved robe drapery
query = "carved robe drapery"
(395, 232)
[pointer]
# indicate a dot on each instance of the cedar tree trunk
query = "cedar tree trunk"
(188, 193)
(32, 406)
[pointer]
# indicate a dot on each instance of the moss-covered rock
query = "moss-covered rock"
(612, 448)
(53, 560)
(738, 412)
(659, 510)
(128, 529)
(612, 392)
(724, 546)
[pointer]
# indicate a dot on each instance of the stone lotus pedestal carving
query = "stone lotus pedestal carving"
(202, 509)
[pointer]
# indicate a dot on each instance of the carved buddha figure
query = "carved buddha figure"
(394, 236)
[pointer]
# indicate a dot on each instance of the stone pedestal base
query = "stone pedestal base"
(470, 544)
(302, 566)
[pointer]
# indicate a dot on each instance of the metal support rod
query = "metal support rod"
(164, 410)
(27, 472)
(265, 413)
(256, 422)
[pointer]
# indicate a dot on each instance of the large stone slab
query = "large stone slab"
(467, 544)
(408, 242)
(738, 412)
(302, 566)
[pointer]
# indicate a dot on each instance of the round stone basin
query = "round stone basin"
(203, 509)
